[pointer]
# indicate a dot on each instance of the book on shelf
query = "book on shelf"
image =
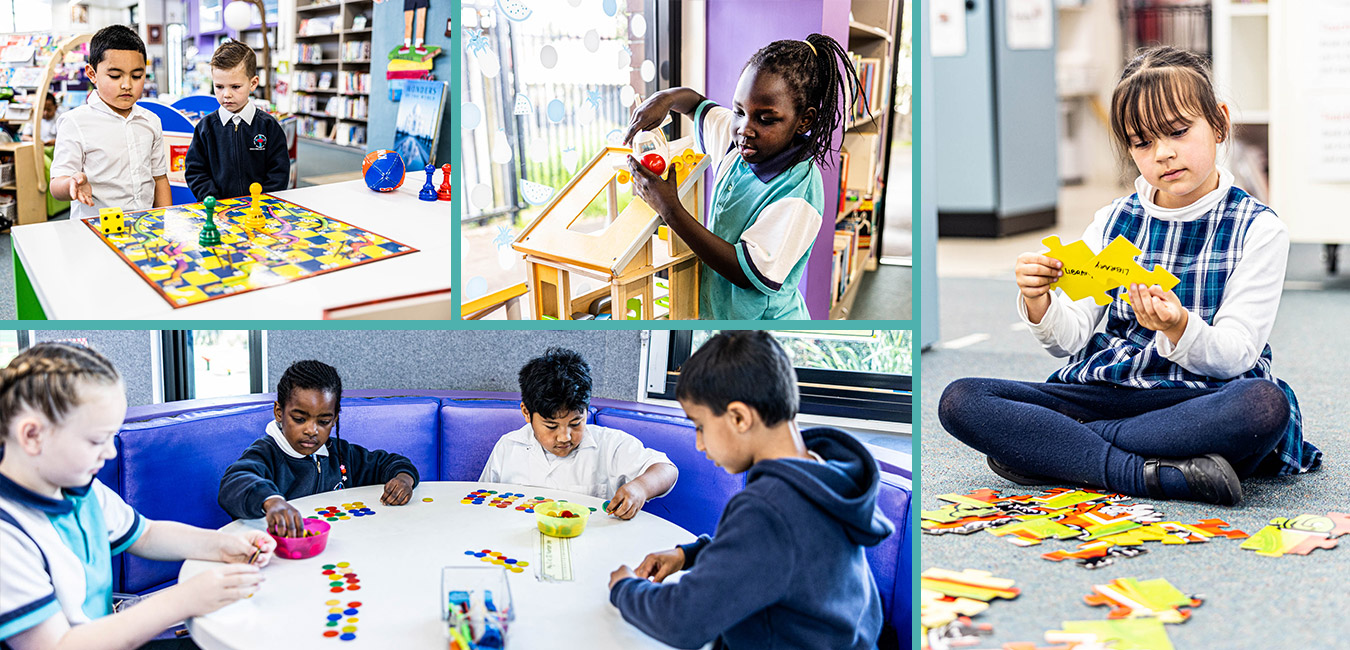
(359, 22)
(326, 80)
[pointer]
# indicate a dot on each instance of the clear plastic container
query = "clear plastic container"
(476, 603)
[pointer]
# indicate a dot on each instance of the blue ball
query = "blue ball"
(383, 170)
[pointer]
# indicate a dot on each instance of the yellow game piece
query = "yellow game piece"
(343, 565)
(1078, 281)
(625, 178)
(253, 215)
(111, 220)
(1086, 274)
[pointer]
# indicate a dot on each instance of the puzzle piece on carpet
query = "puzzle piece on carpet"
(1100, 531)
(1030, 531)
(1123, 634)
(970, 583)
(1131, 598)
(1095, 514)
(1273, 541)
(1060, 498)
(1095, 555)
(958, 511)
(1078, 281)
(1113, 267)
(1137, 536)
(1027, 645)
(964, 526)
(959, 633)
(1212, 527)
(1333, 524)
(936, 610)
(980, 497)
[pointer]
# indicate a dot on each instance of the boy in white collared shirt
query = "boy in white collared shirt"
(238, 145)
(557, 449)
(110, 152)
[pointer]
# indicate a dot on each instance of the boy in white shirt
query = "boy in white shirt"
(110, 152)
(557, 449)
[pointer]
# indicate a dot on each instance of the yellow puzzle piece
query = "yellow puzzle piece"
(1086, 274)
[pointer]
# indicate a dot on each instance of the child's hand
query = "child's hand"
(210, 590)
(628, 501)
(283, 519)
(235, 549)
(662, 194)
(1159, 310)
(81, 190)
(658, 566)
(619, 574)
(398, 490)
(649, 115)
(1035, 273)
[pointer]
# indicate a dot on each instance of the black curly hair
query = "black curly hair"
(114, 37)
(821, 75)
(315, 375)
(558, 382)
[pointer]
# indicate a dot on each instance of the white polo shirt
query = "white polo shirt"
(606, 459)
(56, 554)
(120, 155)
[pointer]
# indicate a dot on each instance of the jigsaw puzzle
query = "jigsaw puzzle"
(1301, 534)
(1087, 275)
(162, 246)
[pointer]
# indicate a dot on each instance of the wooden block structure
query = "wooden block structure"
(111, 220)
(625, 256)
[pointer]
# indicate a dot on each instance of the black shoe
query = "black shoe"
(1017, 477)
(1210, 477)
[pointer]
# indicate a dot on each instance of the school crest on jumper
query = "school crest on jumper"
(259, 142)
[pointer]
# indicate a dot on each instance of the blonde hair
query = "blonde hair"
(229, 55)
(46, 377)
(1159, 85)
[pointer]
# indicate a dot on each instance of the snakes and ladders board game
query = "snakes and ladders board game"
(295, 243)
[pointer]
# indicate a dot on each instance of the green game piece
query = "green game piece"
(332, 623)
(335, 583)
(210, 235)
(329, 567)
(332, 519)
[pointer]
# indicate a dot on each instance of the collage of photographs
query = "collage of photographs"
(276, 304)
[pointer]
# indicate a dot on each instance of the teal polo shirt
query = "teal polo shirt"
(770, 211)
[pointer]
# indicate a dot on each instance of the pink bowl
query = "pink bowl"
(299, 548)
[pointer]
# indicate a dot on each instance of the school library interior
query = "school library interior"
(1079, 157)
(282, 160)
(560, 222)
(462, 489)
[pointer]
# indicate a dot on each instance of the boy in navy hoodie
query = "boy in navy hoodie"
(297, 457)
(786, 569)
(238, 145)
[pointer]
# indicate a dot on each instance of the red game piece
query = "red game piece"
(444, 193)
(331, 633)
(654, 162)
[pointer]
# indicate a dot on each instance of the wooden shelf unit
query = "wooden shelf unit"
(332, 45)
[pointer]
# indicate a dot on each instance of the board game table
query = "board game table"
(63, 269)
(397, 554)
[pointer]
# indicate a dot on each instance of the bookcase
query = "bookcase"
(872, 33)
(331, 78)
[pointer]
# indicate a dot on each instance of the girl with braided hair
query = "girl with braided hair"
(60, 408)
(302, 455)
(768, 199)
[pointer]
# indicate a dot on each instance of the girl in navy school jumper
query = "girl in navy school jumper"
(61, 406)
(297, 457)
(768, 199)
(1176, 398)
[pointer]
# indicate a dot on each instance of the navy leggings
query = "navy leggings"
(1099, 436)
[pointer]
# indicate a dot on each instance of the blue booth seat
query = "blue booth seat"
(702, 490)
(890, 560)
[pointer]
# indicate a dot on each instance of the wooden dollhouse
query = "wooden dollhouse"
(625, 256)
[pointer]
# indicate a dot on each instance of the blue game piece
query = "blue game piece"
(334, 617)
(469, 553)
(428, 192)
(479, 554)
(529, 510)
(510, 560)
(351, 611)
(347, 636)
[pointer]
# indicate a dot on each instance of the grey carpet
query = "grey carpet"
(885, 294)
(1250, 601)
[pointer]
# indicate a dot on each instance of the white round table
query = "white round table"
(398, 554)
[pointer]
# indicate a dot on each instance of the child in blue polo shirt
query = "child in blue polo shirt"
(786, 569)
(768, 199)
(60, 406)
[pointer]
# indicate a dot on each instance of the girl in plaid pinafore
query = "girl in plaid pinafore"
(1175, 398)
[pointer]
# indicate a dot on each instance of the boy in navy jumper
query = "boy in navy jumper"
(297, 458)
(238, 145)
(786, 569)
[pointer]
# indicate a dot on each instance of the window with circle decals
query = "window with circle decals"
(544, 86)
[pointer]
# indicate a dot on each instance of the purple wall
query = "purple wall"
(738, 28)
